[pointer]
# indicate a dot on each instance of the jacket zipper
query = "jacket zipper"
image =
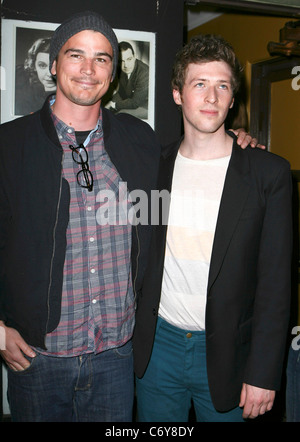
(137, 266)
(54, 245)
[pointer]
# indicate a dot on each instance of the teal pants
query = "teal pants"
(175, 377)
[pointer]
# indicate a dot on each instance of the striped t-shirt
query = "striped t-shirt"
(195, 199)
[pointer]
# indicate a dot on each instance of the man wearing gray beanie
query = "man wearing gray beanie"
(81, 22)
(69, 274)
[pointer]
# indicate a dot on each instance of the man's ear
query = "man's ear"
(232, 103)
(53, 69)
(177, 97)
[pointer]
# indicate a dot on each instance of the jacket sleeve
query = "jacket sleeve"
(4, 226)
(272, 298)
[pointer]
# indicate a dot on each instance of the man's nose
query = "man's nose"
(212, 96)
(87, 66)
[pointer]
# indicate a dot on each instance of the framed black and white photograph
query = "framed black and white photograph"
(25, 63)
(25, 60)
(133, 90)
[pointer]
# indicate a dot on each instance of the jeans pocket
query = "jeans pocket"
(125, 350)
(25, 370)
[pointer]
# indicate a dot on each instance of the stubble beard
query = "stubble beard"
(82, 98)
(84, 101)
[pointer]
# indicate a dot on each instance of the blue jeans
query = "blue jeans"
(293, 386)
(87, 388)
(176, 376)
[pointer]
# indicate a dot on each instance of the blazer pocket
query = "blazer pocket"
(245, 330)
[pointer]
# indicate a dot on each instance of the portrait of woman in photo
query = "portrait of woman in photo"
(33, 79)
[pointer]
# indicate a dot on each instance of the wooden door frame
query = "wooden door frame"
(263, 74)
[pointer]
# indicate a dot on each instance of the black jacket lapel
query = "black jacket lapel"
(235, 194)
(165, 176)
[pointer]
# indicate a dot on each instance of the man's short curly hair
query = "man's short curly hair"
(203, 49)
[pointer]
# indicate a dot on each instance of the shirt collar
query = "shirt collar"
(65, 130)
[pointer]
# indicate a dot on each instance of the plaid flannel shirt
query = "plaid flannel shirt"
(97, 310)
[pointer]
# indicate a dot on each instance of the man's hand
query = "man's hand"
(244, 139)
(15, 348)
(256, 401)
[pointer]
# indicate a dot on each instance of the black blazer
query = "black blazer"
(248, 292)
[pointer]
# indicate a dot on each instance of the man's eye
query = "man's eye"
(103, 60)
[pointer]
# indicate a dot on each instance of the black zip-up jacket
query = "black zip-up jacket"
(34, 213)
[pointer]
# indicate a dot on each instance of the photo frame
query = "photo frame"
(20, 95)
(143, 45)
(24, 88)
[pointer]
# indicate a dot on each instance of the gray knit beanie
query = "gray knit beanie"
(83, 21)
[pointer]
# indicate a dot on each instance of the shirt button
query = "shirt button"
(189, 335)
(93, 270)
(94, 301)
(92, 239)
(89, 208)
